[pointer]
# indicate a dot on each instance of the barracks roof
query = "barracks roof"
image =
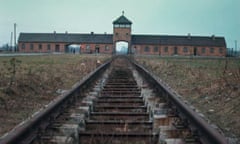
(65, 38)
(179, 40)
(136, 39)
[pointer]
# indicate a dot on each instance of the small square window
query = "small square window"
(88, 48)
(220, 50)
(166, 49)
(49, 47)
(31, 46)
(106, 48)
(155, 49)
(203, 50)
(146, 49)
(40, 46)
(23, 45)
(211, 50)
(185, 49)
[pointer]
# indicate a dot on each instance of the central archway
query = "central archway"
(73, 48)
(121, 47)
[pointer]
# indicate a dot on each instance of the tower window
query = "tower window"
(122, 25)
(116, 25)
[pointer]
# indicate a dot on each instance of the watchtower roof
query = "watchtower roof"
(122, 20)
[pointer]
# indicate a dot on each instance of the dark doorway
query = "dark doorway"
(66, 49)
(57, 48)
(195, 51)
(97, 49)
(175, 51)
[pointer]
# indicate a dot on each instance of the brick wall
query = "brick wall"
(41, 47)
(170, 50)
(122, 34)
(163, 50)
(94, 48)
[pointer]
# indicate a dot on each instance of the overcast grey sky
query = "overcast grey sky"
(171, 17)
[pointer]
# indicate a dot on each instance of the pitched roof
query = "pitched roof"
(122, 20)
(65, 37)
(136, 39)
(179, 40)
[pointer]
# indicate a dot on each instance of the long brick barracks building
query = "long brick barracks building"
(164, 45)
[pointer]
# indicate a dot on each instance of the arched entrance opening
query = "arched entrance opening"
(73, 48)
(121, 47)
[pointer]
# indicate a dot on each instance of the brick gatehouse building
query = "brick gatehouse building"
(164, 45)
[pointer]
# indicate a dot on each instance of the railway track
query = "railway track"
(119, 103)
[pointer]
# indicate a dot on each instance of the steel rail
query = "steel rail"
(207, 134)
(33, 127)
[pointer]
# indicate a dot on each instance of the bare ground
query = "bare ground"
(211, 85)
(28, 83)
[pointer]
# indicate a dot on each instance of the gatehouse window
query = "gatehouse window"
(116, 25)
(211, 50)
(155, 49)
(128, 26)
(146, 49)
(203, 50)
(121, 25)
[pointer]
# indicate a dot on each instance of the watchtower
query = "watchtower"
(122, 33)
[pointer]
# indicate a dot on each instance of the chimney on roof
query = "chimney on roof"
(189, 36)
(213, 37)
(105, 33)
(66, 32)
(54, 34)
(92, 33)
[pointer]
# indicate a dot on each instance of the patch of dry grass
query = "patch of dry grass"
(27, 83)
(211, 85)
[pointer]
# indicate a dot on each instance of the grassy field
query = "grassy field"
(27, 83)
(211, 85)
